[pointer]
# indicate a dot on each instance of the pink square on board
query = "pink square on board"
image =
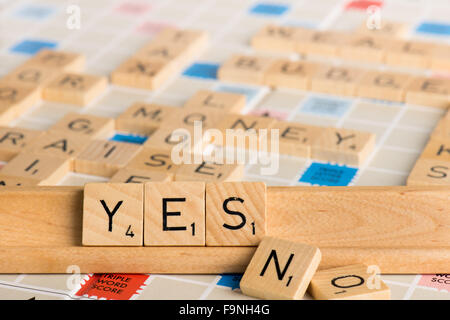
(362, 4)
(269, 113)
(438, 281)
(134, 8)
(151, 28)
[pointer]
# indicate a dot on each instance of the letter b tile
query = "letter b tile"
(113, 214)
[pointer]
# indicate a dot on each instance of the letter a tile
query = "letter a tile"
(280, 269)
(113, 214)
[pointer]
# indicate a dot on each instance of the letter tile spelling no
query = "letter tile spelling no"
(174, 214)
(113, 214)
(280, 269)
(235, 213)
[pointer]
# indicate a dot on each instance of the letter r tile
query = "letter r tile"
(174, 214)
(113, 214)
(280, 269)
(235, 213)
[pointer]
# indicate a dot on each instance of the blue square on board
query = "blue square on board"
(32, 46)
(202, 70)
(440, 29)
(231, 280)
(130, 138)
(325, 174)
(35, 12)
(249, 93)
(332, 107)
(271, 9)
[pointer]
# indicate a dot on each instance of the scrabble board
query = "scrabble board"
(112, 31)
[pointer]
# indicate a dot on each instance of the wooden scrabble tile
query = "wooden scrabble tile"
(187, 36)
(138, 72)
(365, 47)
(15, 99)
(7, 181)
(186, 117)
(386, 28)
(278, 38)
(195, 40)
(174, 214)
(411, 54)
(85, 126)
(295, 139)
(58, 144)
(73, 88)
(434, 92)
(32, 75)
(291, 74)
(343, 146)
(215, 100)
(144, 118)
(48, 170)
(15, 140)
(245, 69)
(105, 158)
(438, 149)
(113, 214)
(131, 175)
(210, 172)
(337, 80)
(352, 282)
(243, 131)
(322, 43)
(60, 60)
(439, 57)
(442, 130)
(429, 172)
(280, 269)
(175, 54)
(153, 160)
(235, 213)
(170, 137)
(383, 85)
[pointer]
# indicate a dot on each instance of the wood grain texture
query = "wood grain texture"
(85, 125)
(143, 118)
(344, 146)
(16, 99)
(291, 74)
(354, 282)
(280, 269)
(105, 158)
(339, 80)
(244, 222)
(46, 169)
(428, 172)
(215, 100)
(59, 60)
(428, 92)
(138, 72)
(245, 69)
(14, 140)
(131, 175)
(400, 229)
(75, 88)
(113, 214)
(383, 85)
(174, 214)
